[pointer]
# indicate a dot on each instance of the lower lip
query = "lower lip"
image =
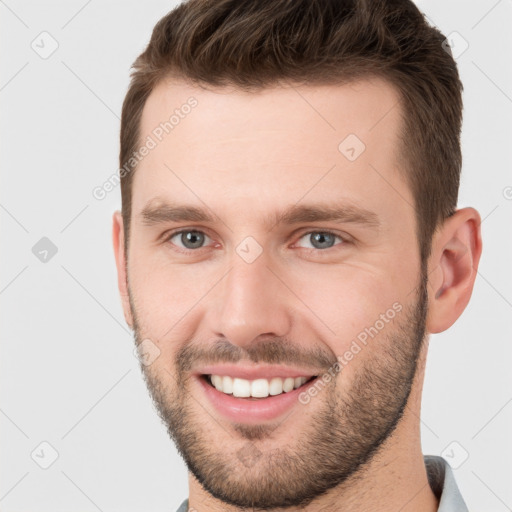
(244, 410)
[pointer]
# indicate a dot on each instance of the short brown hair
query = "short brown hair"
(254, 44)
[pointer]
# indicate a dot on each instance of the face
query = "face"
(275, 283)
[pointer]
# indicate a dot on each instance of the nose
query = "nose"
(252, 302)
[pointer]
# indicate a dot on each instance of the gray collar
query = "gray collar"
(442, 482)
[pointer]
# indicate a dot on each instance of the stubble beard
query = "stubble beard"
(347, 430)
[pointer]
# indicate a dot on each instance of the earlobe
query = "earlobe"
(453, 265)
(120, 257)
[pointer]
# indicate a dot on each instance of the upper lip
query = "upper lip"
(255, 372)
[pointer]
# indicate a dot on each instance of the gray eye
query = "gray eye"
(191, 239)
(320, 240)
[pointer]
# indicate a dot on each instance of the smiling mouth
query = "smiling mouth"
(258, 388)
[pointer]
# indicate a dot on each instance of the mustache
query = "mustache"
(275, 350)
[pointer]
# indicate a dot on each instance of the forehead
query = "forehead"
(368, 108)
(271, 146)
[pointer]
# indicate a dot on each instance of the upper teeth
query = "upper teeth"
(259, 388)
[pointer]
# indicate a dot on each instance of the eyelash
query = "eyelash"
(345, 240)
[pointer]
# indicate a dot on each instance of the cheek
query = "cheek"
(167, 296)
(350, 300)
(364, 311)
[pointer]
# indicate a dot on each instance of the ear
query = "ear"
(119, 253)
(452, 268)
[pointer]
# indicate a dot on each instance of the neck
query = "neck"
(394, 480)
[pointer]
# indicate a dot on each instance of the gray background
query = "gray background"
(69, 376)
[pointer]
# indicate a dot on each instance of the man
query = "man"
(288, 239)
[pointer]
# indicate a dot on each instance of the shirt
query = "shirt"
(441, 480)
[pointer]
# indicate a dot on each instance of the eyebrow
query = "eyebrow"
(161, 212)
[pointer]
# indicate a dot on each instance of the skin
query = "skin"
(244, 157)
